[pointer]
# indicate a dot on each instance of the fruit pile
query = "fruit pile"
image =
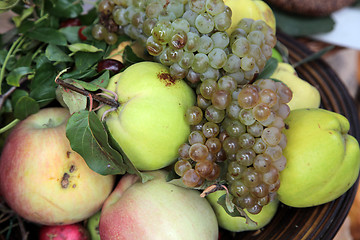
(197, 127)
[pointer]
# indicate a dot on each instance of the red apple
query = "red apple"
(43, 179)
(156, 210)
(64, 232)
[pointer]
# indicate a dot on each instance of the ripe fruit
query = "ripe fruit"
(156, 210)
(43, 179)
(150, 124)
(69, 232)
(254, 9)
(304, 94)
(238, 224)
(322, 159)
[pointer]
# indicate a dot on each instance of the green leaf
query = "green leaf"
(71, 33)
(24, 107)
(130, 166)
(13, 78)
(314, 56)
(25, 13)
(54, 53)
(7, 4)
(269, 68)
(17, 94)
(83, 47)
(95, 85)
(43, 86)
(74, 101)
(89, 138)
(64, 8)
(48, 35)
(296, 25)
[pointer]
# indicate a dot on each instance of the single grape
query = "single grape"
(204, 168)
(220, 99)
(213, 144)
(212, 114)
(210, 129)
(183, 151)
(198, 152)
(191, 178)
(196, 137)
(181, 167)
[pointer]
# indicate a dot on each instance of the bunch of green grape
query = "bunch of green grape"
(235, 123)
(190, 37)
(247, 134)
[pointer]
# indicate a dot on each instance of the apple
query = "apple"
(156, 210)
(74, 231)
(93, 226)
(238, 224)
(150, 124)
(323, 160)
(43, 179)
(305, 95)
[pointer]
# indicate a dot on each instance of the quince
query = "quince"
(257, 10)
(149, 125)
(323, 160)
(238, 224)
(305, 95)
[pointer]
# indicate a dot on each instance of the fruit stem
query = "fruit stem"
(108, 101)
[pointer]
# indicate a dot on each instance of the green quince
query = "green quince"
(322, 158)
(238, 224)
(305, 95)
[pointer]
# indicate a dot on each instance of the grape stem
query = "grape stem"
(213, 188)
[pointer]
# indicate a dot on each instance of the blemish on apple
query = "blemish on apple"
(65, 180)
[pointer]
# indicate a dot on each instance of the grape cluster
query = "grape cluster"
(245, 130)
(190, 37)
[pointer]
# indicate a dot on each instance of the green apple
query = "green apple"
(42, 179)
(149, 125)
(238, 224)
(156, 210)
(92, 226)
(305, 95)
(322, 158)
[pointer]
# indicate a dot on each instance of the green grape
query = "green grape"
(212, 114)
(220, 39)
(200, 63)
(183, 151)
(233, 63)
(217, 58)
(198, 152)
(222, 21)
(99, 32)
(206, 44)
(196, 137)
(204, 23)
(215, 7)
(191, 178)
(210, 129)
(181, 167)
(193, 115)
(162, 32)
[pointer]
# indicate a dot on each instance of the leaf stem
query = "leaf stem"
(108, 101)
(13, 47)
(9, 126)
